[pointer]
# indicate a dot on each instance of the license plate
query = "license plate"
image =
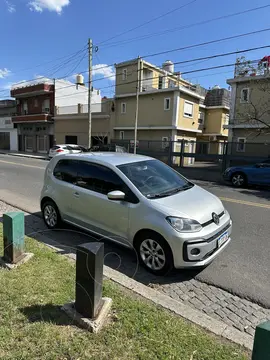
(222, 239)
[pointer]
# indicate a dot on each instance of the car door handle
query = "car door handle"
(76, 194)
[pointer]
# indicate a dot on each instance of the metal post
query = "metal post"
(13, 231)
(90, 59)
(138, 88)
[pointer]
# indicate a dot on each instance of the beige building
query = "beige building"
(250, 107)
(71, 125)
(169, 109)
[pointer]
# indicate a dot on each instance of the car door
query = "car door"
(65, 175)
(93, 209)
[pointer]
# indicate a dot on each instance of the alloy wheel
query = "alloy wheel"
(50, 216)
(152, 254)
(238, 180)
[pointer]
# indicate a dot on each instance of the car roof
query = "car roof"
(105, 158)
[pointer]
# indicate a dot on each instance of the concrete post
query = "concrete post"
(13, 231)
(261, 347)
(89, 279)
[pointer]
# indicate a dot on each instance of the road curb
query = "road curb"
(26, 156)
(197, 317)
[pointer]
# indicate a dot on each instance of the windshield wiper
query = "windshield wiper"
(170, 192)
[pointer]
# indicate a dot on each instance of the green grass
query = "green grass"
(32, 326)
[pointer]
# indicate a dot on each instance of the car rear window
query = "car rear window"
(55, 147)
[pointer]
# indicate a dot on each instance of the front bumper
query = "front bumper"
(201, 251)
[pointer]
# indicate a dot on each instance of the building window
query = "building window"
(123, 108)
(201, 118)
(46, 106)
(188, 109)
(227, 119)
(245, 95)
(124, 74)
(25, 108)
(165, 142)
(122, 135)
(241, 145)
(36, 103)
(160, 82)
(167, 103)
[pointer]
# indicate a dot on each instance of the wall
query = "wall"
(67, 93)
(129, 85)
(32, 109)
(260, 100)
(215, 120)
(187, 122)
(78, 126)
(151, 110)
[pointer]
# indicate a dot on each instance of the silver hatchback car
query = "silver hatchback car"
(139, 202)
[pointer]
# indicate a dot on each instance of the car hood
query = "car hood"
(195, 203)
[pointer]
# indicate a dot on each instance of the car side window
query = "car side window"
(66, 170)
(103, 180)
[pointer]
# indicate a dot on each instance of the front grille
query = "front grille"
(218, 234)
(211, 221)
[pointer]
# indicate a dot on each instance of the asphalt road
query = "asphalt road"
(243, 268)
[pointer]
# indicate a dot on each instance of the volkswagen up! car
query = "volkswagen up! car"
(138, 202)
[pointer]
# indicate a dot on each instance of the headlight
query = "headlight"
(183, 224)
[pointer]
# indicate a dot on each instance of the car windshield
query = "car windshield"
(154, 179)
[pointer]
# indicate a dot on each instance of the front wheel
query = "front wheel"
(154, 254)
(238, 180)
(51, 214)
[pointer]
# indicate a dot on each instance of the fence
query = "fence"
(214, 155)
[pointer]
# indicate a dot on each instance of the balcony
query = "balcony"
(32, 90)
(25, 118)
(247, 68)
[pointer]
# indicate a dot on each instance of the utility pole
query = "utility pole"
(90, 60)
(138, 88)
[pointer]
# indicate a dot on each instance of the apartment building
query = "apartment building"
(35, 109)
(250, 104)
(8, 131)
(170, 108)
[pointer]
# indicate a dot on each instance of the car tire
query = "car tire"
(161, 260)
(238, 179)
(51, 214)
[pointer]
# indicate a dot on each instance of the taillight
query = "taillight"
(59, 150)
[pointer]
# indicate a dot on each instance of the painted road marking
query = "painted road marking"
(243, 202)
(13, 163)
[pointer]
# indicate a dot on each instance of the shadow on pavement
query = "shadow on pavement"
(116, 257)
(262, 192)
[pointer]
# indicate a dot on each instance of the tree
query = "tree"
(253, 107)
(101, 138)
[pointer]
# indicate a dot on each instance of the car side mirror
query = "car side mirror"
(116, 195)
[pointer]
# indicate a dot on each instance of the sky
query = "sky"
(49, 37)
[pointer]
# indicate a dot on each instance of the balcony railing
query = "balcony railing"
(248, 68)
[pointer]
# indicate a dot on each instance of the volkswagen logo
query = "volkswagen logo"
(215, 218)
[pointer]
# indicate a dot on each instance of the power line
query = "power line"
(184, 73)
(148, 22)
(147, 36)
(206, 43)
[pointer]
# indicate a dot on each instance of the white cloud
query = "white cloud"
(51, 5)
(104, 70)
(4, 73)
(11, 8)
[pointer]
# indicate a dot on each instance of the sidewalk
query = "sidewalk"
(24, 154)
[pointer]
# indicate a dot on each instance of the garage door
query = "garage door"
(4, 140)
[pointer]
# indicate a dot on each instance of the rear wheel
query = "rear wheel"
(238, 180)
(51, 214)
(154, 253)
